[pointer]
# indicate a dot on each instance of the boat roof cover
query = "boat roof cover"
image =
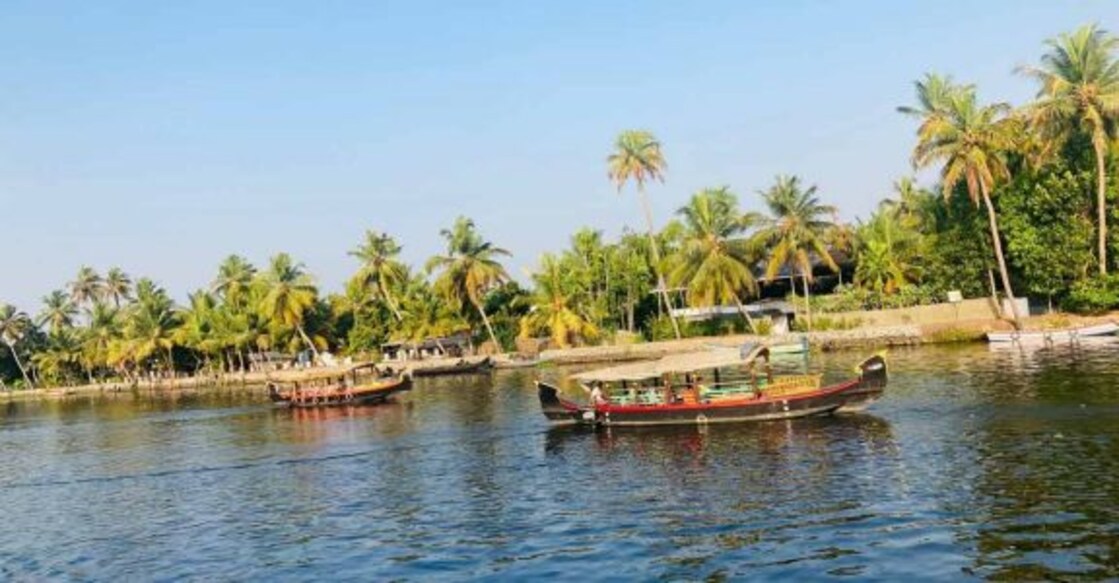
(676, 363)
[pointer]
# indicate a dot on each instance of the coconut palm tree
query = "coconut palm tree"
(14, 325)
(887, 251)
(103, 329)
(1079, 94)
(58, 311)
(637, 158)
(971, 142)
(552, 309)
(469, 269)
(87, 286)
(150, 324)
(934, 97)
(380, 271)
(288, 293)
(235, 275)
(714, 261)
(795, 232)
(117, 286)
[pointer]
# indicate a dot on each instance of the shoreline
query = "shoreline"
(970, 331)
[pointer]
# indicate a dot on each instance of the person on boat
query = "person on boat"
(597, 396)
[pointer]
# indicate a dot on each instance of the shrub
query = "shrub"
(1093, 296)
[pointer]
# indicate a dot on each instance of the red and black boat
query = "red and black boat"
(364, 384)
(719, 386)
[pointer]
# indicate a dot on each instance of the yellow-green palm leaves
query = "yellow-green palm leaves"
(553, 309)
(469, 269)
(380, 271)
(971, 143)
(1079, 94)
(287, 294)
(14, 325)
(714, 262)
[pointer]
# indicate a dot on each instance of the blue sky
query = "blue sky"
(162, 136)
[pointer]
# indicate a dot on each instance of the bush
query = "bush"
(1093, 296)
(850, 298)
(824, 323)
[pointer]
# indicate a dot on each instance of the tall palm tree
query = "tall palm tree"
(235, 275)
(972, 141)
(795, 232)
(58, 311)
(288, 293)
(118, 286)
(637, 157)
(380, 271)
(469, 269)
(552, 308)
(887, 250)
(1079, 94)
(103, 329)
(934, 97)
(14, 325)
(87, 286)
(714, 262)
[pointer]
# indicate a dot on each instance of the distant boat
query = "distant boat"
(798, 347)
(461, 366)
(1051, 336)
(332, 388)
(711, 387)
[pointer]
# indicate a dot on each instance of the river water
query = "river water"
(976, 464)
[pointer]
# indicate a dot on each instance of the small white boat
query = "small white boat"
(797, 347)
(1051, 336)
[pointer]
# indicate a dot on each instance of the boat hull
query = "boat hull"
(336, 397)
(849, 396)
(462, 367)
(1067, 335)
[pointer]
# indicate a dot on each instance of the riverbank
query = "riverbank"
(865, 338)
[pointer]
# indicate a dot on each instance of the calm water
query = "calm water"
(976, 464)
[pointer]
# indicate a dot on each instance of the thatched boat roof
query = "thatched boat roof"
(676, 363)
(321, 373)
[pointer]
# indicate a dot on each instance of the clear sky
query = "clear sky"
(162, 136)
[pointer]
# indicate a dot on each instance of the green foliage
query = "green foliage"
(1094, 296)
(1048, 229)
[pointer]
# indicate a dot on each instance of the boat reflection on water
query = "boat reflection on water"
(345, 423)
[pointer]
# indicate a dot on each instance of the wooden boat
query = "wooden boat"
(711, 387)
(461, 366)
(1050, 336)
(340, 388)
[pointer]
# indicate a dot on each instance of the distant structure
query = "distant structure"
(456, 345)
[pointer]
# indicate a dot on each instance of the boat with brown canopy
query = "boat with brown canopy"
(363, 384)
(723, 385)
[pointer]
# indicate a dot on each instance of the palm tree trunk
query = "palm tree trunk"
(1101, 207)
(392, 304)
(489, 328)
(655, 251)
(807, 300)
(19, 363)
(745, 314)
(994, 291)
(999, 256)
(303, 335)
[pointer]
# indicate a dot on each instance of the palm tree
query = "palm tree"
(934, 97)
(795, 232)
(103, 329)
(638, 158)
(972, 142)
(552, 309)
(887, 250)
(151, 324)
(469, 269)
(87, 286)
(235, 275)
(14, 325)
(58, 311)
(714, 263)
(380, 269)
(288, 293)
(1079, 93)
(117, 286)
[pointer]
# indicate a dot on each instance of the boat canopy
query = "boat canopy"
(677, 364)
(319, 374)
